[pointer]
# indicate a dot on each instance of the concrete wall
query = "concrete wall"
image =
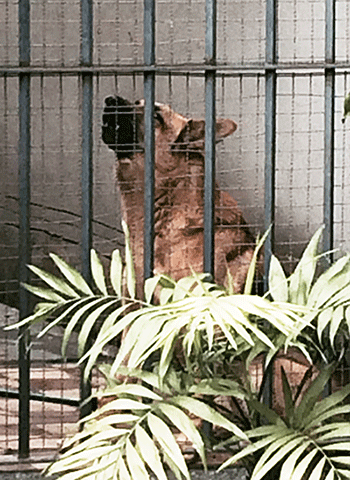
(118, 38)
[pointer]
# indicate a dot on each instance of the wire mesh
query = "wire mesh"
(56, 143)
(301, 31)
(299, 163)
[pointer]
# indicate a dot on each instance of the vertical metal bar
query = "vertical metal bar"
(149, 94)
(210, 128)
(328, 212)
(270, 168)
(270, 155)
(86, 32)
(87, 169)
(270, 129)
(209, 161)
(24, 226)
(328, 188)
(87, 174)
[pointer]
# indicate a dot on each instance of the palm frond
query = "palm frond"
(308, 444)
(135, 433)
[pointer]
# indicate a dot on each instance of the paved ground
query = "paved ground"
(232, 474)
(50, 422)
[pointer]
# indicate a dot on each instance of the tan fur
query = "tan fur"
(179, 190)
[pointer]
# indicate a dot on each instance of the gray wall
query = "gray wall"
(118, 34)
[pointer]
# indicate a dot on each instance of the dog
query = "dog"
(179, 191)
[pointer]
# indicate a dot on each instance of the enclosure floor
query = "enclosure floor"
(49, 422)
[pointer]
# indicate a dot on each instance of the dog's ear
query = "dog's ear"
(224, 128)
(192, 136)
(118, 126)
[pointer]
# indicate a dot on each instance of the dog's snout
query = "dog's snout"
(110, 102)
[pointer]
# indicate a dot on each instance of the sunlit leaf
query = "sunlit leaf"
(123, 471)
(252, 266)
(323, 321)
(149, 453)
(76, 317)
(337, 318)
(150, 286)
(89, 323)
(186, 426)
(166, 295)
(54, 282)
(97, 272)
(269, 434)
(302, 277)
(116, 273)
(204, 411)
(44, 293)
(275, 453)
(40, 316)
(129, 263)
(278, 285)
(301, 467)
(183, 288)
(72, 275)
(317, 471)
(133, 389)
(110, 329)
(167, 442)
(135, 463)
(293, 459)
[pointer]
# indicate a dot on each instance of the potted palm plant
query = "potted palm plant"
(187, 360)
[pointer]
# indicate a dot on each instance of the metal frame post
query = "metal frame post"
(87, 166)
(209, 160)
(210, 128)
(328, 187)
(328, 212)
(149, 175)
(24, 152)
(270, 130)
(270, 155)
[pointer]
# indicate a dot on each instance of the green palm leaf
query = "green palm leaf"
(97, 272)
(45, 293)
(294, 458)
(178, 418)
(204, 411)
(116, 273)
(252, 266)
(278, 283)
(167, 442)
(57, 284)
(77, 317)
(129, 263)
(275, 453)
(72, 275)
(135, 462)
(41, 315)
(90, 321)
(302, 277)
(149, 452)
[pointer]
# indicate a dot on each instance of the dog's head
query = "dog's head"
(123, 128)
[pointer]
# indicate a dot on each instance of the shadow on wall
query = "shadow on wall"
(52, 230)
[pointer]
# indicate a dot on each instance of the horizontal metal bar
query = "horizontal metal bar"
(288, 68)
(40, 397)
(43, 363)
